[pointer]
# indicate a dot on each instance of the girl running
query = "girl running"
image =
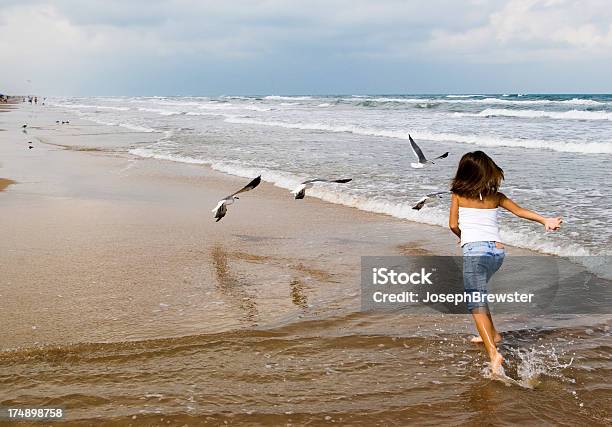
(473, 218)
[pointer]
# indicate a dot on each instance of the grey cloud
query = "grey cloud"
(73, 42)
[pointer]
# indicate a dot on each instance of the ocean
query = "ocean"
(127, 304)
(556, 150)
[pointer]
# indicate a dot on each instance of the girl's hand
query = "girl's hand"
(551, 224)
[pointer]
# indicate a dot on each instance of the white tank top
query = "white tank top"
(478, 225)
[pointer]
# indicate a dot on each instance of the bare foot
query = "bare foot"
(477, 339)
(496, 364)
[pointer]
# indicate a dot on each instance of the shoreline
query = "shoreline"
(83, 213)
(75, 175)
(127, 303)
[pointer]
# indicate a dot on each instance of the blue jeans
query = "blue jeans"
(480, 262)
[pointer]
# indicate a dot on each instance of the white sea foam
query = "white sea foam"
(130, 126)
(137, 128)
(160, 111)
(573, 101)
(287, 98)
(535, 242)
(536, 362)
(405, 100)
(203, 113)
(152, 154)
(561, 115)
(482, 140)
(465, 96)
(176, 103)
(526, 240)
(125, 125)
(403, 210)
(97, 107)
(230, 106)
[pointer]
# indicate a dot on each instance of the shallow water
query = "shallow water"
(555, 149)
(349, 369)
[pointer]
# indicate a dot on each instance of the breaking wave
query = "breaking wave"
(329, 194)
(561, 115)
(482, 140)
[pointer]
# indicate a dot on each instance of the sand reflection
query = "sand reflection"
(233, 286)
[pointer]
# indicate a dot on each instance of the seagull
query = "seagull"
(30, 147)
(422, 160)
(300, 191)
(430, 198)
(24, 126)
(221, 209)
(57, 122)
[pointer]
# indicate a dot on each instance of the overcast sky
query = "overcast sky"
(213, 47)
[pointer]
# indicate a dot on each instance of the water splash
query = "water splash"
(529, 366)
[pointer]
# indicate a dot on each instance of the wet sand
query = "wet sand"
(127, 303)
(111, 247)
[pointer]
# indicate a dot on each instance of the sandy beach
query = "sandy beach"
(123, 299)
(122, 239)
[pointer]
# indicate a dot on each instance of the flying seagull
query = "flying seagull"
(430, 198)
(300, 191)
(422, 160)
(221, 209)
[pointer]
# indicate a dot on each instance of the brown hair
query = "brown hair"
(477, 176)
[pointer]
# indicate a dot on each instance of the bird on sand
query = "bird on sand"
(300, 191)
(429, 199)
(422, 160)
(221, 209)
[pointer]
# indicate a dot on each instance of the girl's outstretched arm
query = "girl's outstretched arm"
(453, 217)
(548, 223)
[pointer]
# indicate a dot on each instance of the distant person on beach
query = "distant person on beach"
(473, 218)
